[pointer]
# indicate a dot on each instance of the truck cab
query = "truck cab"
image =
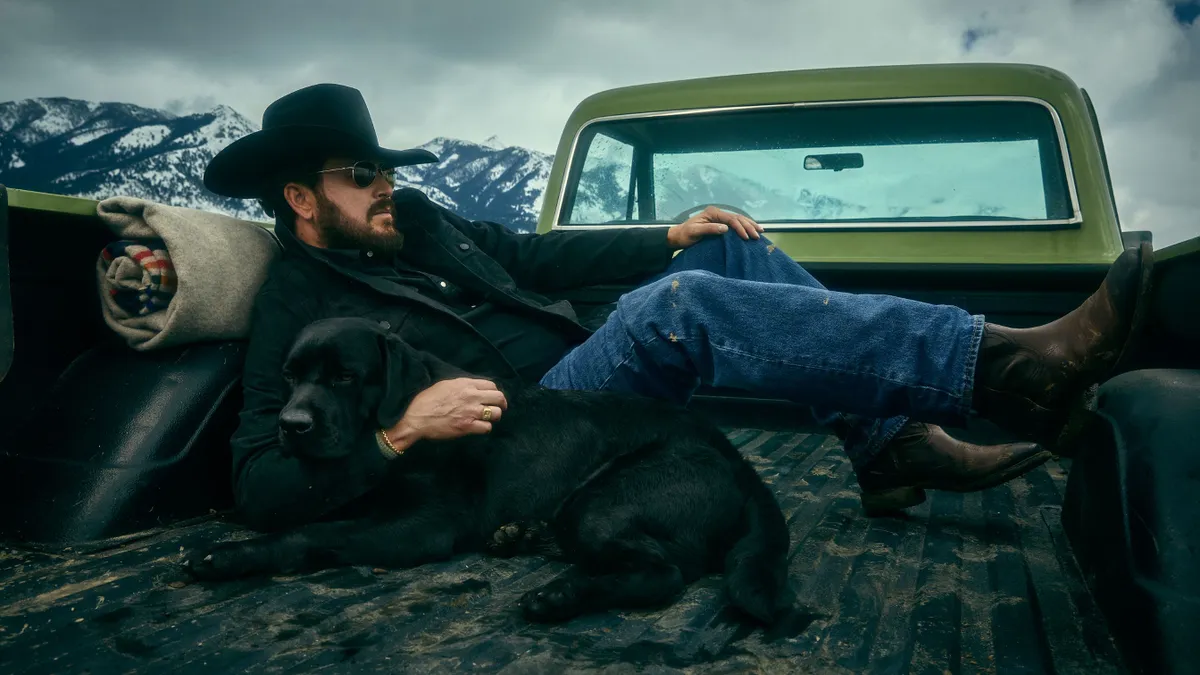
(984, 186)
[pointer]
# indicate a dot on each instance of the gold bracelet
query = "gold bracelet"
(386, 447)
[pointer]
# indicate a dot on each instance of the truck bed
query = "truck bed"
(982, 582)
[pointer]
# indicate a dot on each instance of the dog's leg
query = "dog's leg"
(277, 553)
(642, 584)
(628, 571)
(408, 541)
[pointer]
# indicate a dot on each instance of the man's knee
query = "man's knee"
(705, 244)
(722, 245)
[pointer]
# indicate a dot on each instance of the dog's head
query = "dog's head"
(347, 378)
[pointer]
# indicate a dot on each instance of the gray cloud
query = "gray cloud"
(471, 68)
(179, 106)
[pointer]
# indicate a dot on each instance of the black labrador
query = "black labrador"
(643, 496)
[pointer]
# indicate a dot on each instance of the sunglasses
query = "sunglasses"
(364, 173)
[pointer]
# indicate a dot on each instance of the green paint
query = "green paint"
(45, 201)
(1096, 240)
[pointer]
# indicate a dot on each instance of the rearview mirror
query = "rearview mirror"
(835, 162)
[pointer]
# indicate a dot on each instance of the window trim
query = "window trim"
(1074, 221)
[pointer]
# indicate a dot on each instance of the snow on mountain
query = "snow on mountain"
(143, 137)
(483, 181)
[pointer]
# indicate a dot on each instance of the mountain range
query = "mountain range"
(97, 150)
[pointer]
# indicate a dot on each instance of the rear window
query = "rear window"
(930, 161)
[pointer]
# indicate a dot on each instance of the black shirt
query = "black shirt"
(529, 342)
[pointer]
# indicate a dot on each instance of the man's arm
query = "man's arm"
(272, 491)
(558, 259)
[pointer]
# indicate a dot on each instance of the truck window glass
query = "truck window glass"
(605, 181)
(969, 161)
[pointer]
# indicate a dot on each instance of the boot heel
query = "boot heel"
(878, 502)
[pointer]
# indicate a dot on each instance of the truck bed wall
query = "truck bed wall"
(56, 306)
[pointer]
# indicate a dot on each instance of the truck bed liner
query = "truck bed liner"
(982, 582)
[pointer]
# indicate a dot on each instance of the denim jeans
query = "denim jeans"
(735, 313)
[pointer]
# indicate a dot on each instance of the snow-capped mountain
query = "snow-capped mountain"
(483, 181)
(97, 150)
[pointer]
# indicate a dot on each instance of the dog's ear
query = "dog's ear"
(405, 373)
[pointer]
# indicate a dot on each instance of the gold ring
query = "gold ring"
(487, 413)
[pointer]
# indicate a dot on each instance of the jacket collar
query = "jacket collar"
(337, 261)
(435, 246)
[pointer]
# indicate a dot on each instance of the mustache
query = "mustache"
(382, 206)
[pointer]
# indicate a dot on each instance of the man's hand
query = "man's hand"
(449, 409)
(708, 222)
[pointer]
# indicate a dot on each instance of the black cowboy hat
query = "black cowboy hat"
(318, 121)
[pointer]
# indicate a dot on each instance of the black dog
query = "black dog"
(642, 496)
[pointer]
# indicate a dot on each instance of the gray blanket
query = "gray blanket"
(219, 263)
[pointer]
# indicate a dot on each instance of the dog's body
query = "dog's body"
(644, 497)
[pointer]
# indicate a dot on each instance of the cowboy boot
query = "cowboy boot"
(924, 457)
(1034, 381)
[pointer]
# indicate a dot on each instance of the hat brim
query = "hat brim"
(243, 167)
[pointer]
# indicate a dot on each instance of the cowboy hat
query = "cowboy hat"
(318, 121)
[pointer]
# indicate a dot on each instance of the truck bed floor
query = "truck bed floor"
(982, 582)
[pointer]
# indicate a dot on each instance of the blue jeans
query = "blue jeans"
(735, 313)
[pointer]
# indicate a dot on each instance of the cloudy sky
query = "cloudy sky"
(515, 68)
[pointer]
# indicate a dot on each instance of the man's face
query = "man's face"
(349, 216)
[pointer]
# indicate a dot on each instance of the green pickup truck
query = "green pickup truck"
(983, 186)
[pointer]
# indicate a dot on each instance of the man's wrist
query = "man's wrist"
(395, 442)
(671, 243)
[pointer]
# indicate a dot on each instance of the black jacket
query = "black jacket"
(272, 491)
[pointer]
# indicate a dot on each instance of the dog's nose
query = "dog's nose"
(295, 422)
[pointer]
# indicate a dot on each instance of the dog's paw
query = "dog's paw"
(506, 540)
(521, 538)
(219, 563)
(555, 602)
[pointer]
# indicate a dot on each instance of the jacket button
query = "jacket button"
(385, 325)
(464, 246)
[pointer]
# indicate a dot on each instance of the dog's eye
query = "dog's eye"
(345, 378)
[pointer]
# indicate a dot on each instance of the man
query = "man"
(881, 371)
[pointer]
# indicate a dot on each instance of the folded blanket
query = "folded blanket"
(140, 275)
(178, 275)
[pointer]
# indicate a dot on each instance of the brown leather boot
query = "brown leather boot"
(1031, 381)
(924, 457)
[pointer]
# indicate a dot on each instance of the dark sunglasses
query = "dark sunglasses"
(364, 173)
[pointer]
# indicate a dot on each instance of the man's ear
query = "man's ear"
(301, 199)
(405, 374)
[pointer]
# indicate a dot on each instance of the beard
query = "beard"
(337, 230)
